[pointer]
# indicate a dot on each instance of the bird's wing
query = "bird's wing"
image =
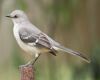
(37, 39)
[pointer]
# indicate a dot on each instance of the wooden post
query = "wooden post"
(27, 72)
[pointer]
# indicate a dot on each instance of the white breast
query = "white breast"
(30, 49)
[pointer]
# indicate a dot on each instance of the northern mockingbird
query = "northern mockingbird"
(34, 41)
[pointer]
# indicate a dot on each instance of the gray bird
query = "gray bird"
(34, 41)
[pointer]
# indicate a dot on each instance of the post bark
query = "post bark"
(27, 72)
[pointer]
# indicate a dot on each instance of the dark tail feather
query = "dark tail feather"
(74, 53)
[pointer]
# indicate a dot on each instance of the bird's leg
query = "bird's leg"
(32, 62)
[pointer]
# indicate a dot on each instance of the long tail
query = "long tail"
(74, 53)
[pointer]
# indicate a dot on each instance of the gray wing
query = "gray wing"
(37, 39)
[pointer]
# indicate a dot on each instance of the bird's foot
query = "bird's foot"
(26, 65)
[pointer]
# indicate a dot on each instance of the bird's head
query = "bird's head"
(17, 16)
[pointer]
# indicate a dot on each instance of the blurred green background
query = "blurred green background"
(73, 23)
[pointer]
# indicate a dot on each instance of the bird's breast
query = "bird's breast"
(25, 47)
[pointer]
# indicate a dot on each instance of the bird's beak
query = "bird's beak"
(8, 16)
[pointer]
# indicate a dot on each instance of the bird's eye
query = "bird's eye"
(15, 16)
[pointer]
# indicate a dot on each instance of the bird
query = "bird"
(35, 42)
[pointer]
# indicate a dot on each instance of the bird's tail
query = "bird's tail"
(74, 53)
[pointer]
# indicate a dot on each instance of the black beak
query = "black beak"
(8, 16)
